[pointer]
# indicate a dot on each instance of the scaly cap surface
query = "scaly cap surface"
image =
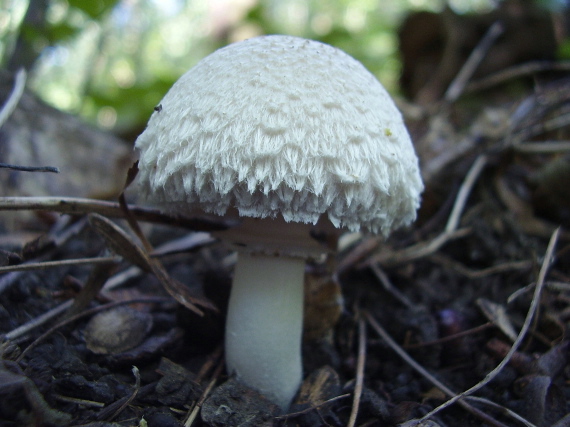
(279, 125)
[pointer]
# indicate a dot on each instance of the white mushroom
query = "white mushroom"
(288, 133)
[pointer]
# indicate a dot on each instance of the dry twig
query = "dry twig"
(15, 96)
(188, 242)
(61, 263)
(312, 408)
(464, 192)
(196, 409)
(458, 84)
(522, 334)
(37, 321)
(125, 401)
(452, 337)
(359, 372)
(415, 365)
(517, 71)
(484, 272)
(83, 206)
(393, 290)
(451, 232)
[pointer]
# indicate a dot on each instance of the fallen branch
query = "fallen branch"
(84, 206)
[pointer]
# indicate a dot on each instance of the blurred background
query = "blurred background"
(111, 61)
(97, 68)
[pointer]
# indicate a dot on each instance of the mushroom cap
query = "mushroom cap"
(280, 125)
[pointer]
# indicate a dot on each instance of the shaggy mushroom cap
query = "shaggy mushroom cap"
(282, 126)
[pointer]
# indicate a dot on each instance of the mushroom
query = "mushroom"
(289, 135)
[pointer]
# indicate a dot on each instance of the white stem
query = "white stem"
(264, 325)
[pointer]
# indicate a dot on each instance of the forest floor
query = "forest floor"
(470, 301)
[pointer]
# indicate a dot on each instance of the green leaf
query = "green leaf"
(564, 49)
(93, 8)
(60, 32)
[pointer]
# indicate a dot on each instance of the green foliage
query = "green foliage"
(123, 63)
(95, 9)
(133, 105)
(564, 50)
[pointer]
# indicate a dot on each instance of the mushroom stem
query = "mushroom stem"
(264, 325)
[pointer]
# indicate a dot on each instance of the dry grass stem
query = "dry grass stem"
(542, 147)
(38, 321)
(312, 408)
(451, 232)
(484, 272)
(361, 361)
(391, 258)
(196, 408)
(464, 191)
(477, 55)
(83, 206)
(15, 96)
(422, 371)
(500, 408)
(129, 399)
(61, 263)
(452, 337)
(517, 71)
(77, 401)
(188, 242)
(389, 287)
(522, 334)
